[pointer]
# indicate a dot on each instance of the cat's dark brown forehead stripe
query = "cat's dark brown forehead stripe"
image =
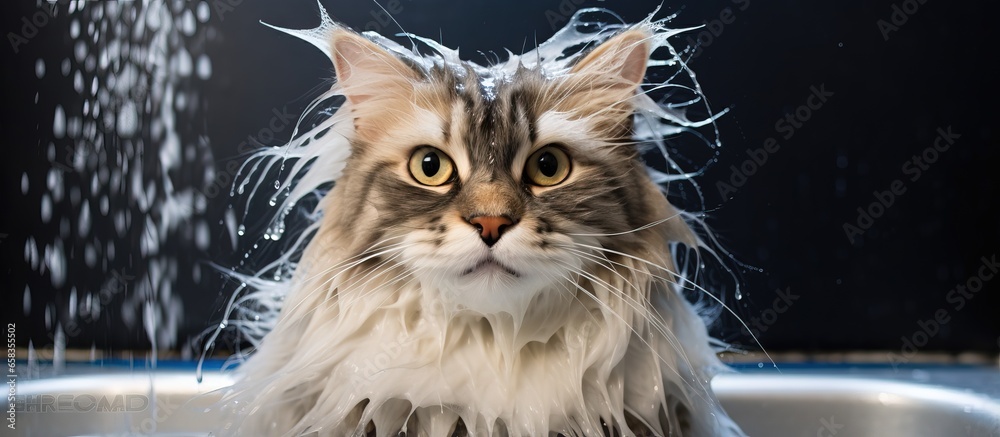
(496, 128)
(519, 99)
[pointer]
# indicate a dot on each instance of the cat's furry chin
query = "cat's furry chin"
(401, 318)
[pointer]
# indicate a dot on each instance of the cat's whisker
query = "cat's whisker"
(354, 280)
(350, 260)
(694, 286)
(630, 268)
(598, 261)
(634, 270)
(641, 307)
(645, 272)
(688, 282)
(381, 269)
(685, 283)
(344, 298)
(640, 228)
(349, 264)
(673, 340)
(342, 271)
(638, 306)
(606, 286)
(653, 320)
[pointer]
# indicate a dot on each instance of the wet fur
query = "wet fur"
(380, 332)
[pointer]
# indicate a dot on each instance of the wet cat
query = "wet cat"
(494, 258)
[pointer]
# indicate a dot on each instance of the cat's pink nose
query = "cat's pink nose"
(491, 227)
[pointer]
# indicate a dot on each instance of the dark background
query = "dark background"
(890, 96)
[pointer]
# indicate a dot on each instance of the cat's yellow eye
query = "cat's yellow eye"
(548, 166)
(430, 166)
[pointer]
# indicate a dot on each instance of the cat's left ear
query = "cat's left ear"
(619, 63)
(366, 71)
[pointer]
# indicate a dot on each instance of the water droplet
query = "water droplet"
(59, 350)
(27, 300)
(46, 208)
(760, 365)
(204, 67)
(59, 122)
(241, 230)
(182, 62)
(739, 294)
(187, 23)
(78, 81)
(40, 68)
(128, 119)
(72, 303)
(203, 11)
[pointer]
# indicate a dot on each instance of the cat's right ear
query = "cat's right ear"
(366, 71)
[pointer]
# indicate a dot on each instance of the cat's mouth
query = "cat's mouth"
(489, 264)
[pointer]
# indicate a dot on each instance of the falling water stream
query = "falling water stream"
(123, 198)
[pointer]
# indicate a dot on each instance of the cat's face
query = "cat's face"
(493, 195)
